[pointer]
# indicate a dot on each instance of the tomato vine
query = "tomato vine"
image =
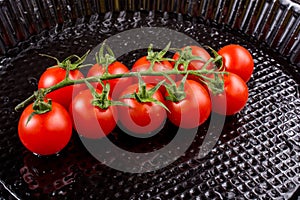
(215, 83)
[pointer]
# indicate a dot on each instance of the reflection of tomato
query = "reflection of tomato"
(116, 85)
(140, 117)
(193, 110)
(64, 95)
(234, 97)
(238, 60)
(47, 133)
(91, 121)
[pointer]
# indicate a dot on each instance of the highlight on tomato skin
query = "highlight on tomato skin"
(91, 121)
(45, 134)
(234, 97)
(238, 60)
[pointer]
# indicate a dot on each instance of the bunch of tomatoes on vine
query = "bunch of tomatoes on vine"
(183, 88)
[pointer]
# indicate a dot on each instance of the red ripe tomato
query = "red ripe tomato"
(64, 95)
(142, 118)
(116, 85)
(142, 64)
(195, 64)
(91, 121)
(234, 97)
(193, 110)
(238, 60)
(47, 133)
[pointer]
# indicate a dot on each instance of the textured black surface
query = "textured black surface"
(257, 156)
(5, 194)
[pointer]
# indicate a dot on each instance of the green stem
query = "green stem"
(26, 102)
(68, 82)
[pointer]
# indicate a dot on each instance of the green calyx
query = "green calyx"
(218, 60)
(213, 78)
(185, 57)
(102, 100)
(41, 105)
(176, 94)
(146, 96)
(154, 57)
(216, 84)
(68, 64)
(105, 59)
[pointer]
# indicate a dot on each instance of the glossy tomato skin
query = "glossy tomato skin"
(234, 97)
(141, 118)
(53, 76)
(91, 121)
(193, 110)
(238, 60)
(45, 134)
(116, 85)
(142, 64)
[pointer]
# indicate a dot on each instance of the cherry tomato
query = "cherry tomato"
(238, 60)
(64, 95)
(142, 64)
(142, 118)
(193, 110)
(91, 121)
(195, 64)
(116, 85)
(47, 133)
(234, 97)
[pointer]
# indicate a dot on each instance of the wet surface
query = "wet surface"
(257, 155)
